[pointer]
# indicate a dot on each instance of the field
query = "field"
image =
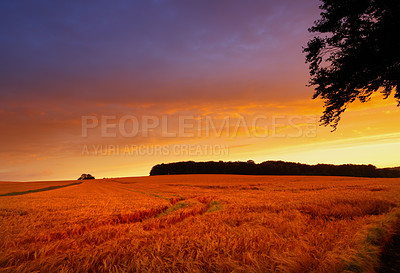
(197, 223)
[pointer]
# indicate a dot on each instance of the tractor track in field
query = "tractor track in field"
(152, 219)
(39, 190)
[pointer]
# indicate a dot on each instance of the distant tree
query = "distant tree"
(85, 176)
(356, 53)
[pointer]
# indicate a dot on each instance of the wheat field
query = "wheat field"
(197, 223)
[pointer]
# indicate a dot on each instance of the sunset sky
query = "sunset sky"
(62, 61)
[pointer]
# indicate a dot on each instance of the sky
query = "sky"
(77, 78)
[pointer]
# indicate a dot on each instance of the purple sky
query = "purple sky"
(61, 60)
(153, 50)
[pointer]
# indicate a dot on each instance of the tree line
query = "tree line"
(272, 168)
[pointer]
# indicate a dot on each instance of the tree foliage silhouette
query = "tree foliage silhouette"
(85, 176)
(356, 52)
(271, 168)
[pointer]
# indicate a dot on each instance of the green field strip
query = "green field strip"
(214, 206)
(39, 190)
(173, 208)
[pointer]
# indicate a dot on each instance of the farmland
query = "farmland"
(198, 223)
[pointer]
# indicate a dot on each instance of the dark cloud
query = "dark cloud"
(148, 50)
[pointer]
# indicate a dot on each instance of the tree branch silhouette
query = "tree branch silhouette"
(356, 52)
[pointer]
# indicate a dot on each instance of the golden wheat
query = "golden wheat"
(198, 223)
